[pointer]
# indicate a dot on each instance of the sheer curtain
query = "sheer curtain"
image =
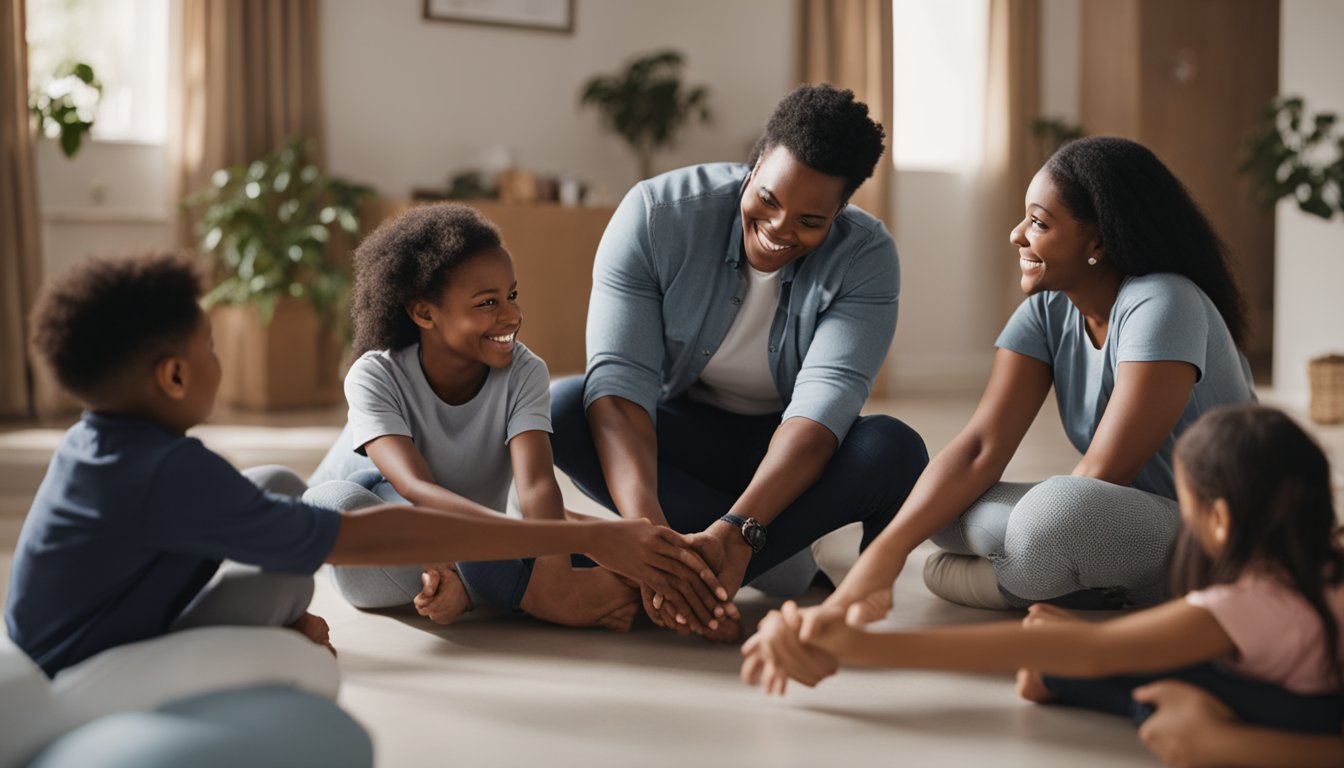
(20, 246)
(250, 79)
(847, 43)
(1012, 155)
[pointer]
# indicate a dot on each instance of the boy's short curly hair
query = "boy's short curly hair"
(104, 317)
(825, 129)
(411, 257)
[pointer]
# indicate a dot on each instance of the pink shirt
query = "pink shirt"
(1278, 634)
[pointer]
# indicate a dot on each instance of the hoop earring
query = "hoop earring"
(1092, 260)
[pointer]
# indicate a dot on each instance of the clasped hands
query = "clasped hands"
(720, 559)
(806, 644)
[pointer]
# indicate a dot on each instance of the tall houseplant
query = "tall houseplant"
(267, 229)
(647, 104)
(1299, 156)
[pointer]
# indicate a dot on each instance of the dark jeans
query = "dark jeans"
(1253, 701)
(707, 457)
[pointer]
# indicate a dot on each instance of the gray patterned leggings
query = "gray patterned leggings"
(1071, 541)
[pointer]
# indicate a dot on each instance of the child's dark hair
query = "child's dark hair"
(1146, 219)
(1276, 482)
(105, 317)
(827, 130)
(408, 258)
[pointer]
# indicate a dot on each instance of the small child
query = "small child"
(1261, 570)
(128, 529)
(451, 408)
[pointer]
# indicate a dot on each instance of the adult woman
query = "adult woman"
(738, 317)
(1134, 317)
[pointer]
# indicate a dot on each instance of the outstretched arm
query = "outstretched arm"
(1169, 636)
(955, 478)
(395, 534)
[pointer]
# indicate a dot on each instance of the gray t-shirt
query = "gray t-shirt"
(1161, 316)
(465, 446)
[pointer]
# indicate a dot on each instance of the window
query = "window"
(126, 43)
(940, 55)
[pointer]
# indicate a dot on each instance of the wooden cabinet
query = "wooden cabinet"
(553, 248)
(1189, 79)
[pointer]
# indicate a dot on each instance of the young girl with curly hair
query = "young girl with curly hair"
(450, 408)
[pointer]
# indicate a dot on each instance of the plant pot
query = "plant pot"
(1326, 375)
(291, 363)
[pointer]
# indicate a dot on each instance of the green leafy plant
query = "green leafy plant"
(266, 225)
(65, 106)
(1296, 155)
(646, 104)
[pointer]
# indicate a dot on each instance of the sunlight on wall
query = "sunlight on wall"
(939, 59)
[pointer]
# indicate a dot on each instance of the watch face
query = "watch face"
(754, 533)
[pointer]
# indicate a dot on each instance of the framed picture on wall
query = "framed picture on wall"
(548, 15)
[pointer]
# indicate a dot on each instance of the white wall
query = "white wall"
(1309, 252)
(411, 101)
(111, 198)
(1061, 58)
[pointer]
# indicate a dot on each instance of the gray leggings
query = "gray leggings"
(245, 595)
(1072, 541)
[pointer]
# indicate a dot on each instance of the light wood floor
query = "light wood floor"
(507, 691)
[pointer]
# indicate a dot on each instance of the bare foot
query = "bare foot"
(579, 597)
(1031, 686)
(314, 628)
(443, 597)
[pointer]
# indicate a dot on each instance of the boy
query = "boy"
(126, 534)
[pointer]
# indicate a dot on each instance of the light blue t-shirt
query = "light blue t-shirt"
(668, 283)
(1155, 317)
(465, 446)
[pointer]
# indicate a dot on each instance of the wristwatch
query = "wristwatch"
(752, 532)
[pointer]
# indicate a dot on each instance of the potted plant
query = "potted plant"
(65, 106)
(646, 104)
(1301, 157)
(269, 229)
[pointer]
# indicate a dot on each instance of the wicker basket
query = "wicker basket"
(1326, 375)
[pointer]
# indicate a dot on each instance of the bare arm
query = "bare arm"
(958, 475)
(1175, 634)
(798, 453)
(627, 448)
(1192, 728)
(1143, 409)
(534, 476)
(395, 534)
(401, 463)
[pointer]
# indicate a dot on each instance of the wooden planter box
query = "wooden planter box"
(292, 363)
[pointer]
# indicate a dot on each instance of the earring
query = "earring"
(1092, 260)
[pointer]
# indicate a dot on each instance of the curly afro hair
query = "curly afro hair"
(411, 257)
(825, 129)
(106, 317)
(1146, 219)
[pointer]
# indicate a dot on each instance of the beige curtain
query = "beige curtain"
(249, 80)
(1012, 154)
(847, 43)
(20, 249)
